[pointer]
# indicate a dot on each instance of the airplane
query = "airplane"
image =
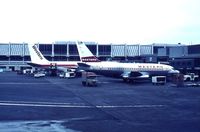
(38, 60)
(127, 71)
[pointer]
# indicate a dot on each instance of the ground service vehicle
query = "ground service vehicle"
(159, 80)
(67, 75)
(37, 75)
(191, 77)
(89, 79)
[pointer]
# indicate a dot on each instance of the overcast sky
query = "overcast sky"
(102, 21)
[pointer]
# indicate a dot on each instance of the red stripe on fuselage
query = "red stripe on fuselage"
(59, 65)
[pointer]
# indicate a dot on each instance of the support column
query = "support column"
(139, 52)
(97, 48)
(52, 52)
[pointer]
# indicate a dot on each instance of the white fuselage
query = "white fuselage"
(129, 66)
(116, 69)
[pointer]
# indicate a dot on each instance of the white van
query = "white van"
(67, 75)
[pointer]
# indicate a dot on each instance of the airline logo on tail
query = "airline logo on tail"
(85, 54)
(37, 52)
(90, 59)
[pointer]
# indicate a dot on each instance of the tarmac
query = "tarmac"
(53, 104)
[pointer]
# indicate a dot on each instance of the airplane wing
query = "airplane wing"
(135, 75)
(34, 64)
(62, 69)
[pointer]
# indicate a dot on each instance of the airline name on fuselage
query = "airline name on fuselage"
(151, 66)
(37, 52)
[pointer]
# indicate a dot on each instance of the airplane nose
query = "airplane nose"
(174, 71)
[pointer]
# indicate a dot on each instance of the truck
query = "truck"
(89, 79)
(158, 80)
(68, 74)
(191, 77)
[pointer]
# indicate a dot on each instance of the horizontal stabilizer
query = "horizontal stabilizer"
(83, 65)
(34, 64)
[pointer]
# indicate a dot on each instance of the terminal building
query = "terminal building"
(186, 58)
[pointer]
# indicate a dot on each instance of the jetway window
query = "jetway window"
(74, 58)
(156, 48)
(45, 49)
(27, 58)
(73, 50)
(92, 48)
(104, 58)
(48, 58)
(4, 58)
(60, 49)
(60, 58)
(104, 49)
(194, 49)
(16, 58)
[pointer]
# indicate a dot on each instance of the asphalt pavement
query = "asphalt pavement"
(53, 104)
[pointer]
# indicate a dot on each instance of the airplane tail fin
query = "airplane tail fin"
(36, 55)
(85, 54)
